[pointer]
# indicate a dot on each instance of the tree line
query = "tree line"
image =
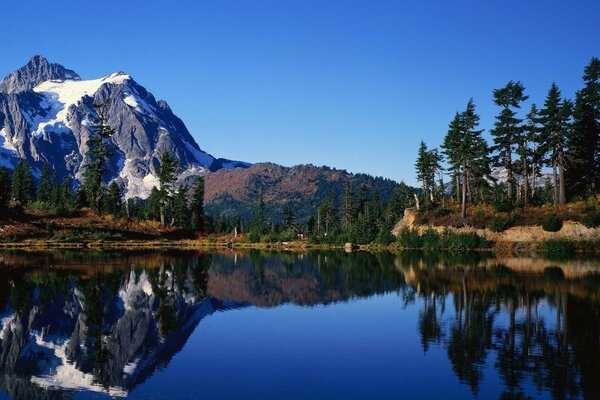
(561, 136)
(167, 204)
(358, 216)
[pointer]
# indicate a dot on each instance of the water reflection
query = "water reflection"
(105, 322)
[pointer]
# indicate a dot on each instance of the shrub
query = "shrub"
(409, 239)
(463, 241)
(430, 240)
(498, 224)
(558, 247)
(441, 212)
(503, 205)
(591, 220)
(552, 223)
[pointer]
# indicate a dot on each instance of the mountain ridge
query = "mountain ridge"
(46, 114)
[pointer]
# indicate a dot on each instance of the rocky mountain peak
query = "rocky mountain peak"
(37, 70)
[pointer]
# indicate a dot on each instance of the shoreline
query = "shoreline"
(500, 247)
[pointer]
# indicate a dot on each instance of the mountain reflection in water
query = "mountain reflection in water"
(100, 323)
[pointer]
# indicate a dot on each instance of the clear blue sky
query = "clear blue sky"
(351, 84)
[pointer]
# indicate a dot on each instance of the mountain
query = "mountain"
(302, 187)
(500, 175)
(46, 114)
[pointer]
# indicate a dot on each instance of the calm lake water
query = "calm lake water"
(279, 325)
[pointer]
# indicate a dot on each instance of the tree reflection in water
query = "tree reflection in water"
(106, 321)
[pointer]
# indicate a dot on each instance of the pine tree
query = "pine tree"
(22, 188)
(553, 138)
(289, 219)
(530, 156)
(63, 198)
(260, 225)
(472, 152)
(584, 144)
(198, 205)
(99, 151)
(507, 129)
(423, 169)
(152, 206)
(46, 186)
(436, 159)
(348, 209)
(327, 215)
(451, 148)
(181, 214)
(5, 185)
(166, 177)
(114, 201)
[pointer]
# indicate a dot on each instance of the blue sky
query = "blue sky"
(351, 84)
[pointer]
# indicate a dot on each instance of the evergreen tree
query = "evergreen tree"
(114, 201)
(166, 177)
(553, 138)
(46, 186)
(289, 220)
(260, 225)
(97, 155)
(181, 213)
(508, 130)
(423, 169)
(472, 152)
(530, 157)
(22, 188)
(436, 159)
(584, 144)
(451, 148)
(348, 209)
(327, 215)
(63, 198)
(152, 206)
(198, 205)
(5, 185)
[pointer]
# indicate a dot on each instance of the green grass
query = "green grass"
(558, 247)
(447, 240)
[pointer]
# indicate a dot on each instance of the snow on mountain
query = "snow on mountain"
(61, 95)
(47, 114)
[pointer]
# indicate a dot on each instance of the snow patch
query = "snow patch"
(6, 324)
(151, 181)
(139, 104)
(134, 286)
(66, 375)
(5, 142)
(201, 157)
(61, 95)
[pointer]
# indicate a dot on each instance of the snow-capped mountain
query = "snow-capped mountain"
(46, 115)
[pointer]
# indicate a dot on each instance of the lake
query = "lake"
(284, 325)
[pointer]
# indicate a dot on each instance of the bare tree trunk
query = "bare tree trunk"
(457, 185)
(509, 175)
(463, 211)
(525, 182)
(162, 215)
(554, 188)
(562, 198)
(468, 184)
(442, 190)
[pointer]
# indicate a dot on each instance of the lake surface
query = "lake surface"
(281, 325)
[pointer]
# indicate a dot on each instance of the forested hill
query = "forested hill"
(302, 188)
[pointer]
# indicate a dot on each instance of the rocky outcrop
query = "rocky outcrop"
(36, 71)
